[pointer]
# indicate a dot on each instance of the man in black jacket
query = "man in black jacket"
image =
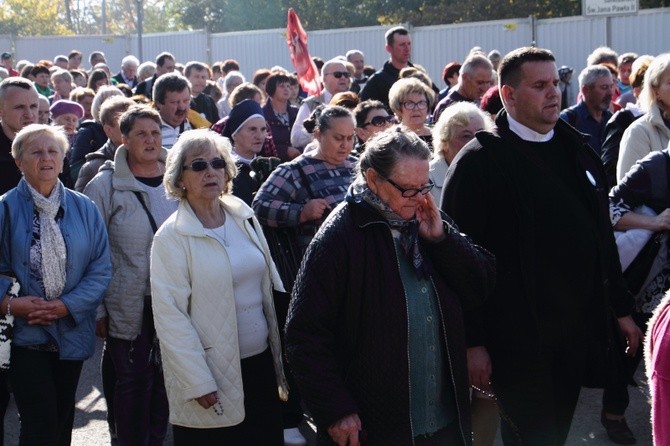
(399, 46)
(535, 195)
(165, 63)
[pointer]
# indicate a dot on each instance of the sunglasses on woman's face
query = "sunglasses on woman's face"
(379, 121)
(200, 165)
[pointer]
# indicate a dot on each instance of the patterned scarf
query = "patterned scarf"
(54, 254)
(409, 229)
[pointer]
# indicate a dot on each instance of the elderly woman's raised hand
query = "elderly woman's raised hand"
(431, 227)
(314, 210)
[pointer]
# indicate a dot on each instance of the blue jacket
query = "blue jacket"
(89, 270)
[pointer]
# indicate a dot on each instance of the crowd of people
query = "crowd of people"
(400, 263)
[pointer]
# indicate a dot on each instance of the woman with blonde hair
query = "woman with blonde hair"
(212, 281)
(411, 99)
(650, 133)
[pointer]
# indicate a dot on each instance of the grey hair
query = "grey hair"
(196, 142)
(474, 62)
(231, 77)
(351, 53)
(458, 115)
(105, 92)
(603, 54)
(29, 133)
(330, 63)
(652, 80)
(385, 149)
(591, 74)
(63, 74)
(130, 59)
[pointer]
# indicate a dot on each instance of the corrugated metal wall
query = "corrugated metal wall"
(571, 39)
(186, 46)
(36, 48)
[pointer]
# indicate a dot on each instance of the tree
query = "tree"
(31, 18)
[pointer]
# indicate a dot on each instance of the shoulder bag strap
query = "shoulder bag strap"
(146, 209)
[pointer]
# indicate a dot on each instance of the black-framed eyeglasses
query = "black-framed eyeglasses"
(409, 193)
(339, 74)
(379, 121)
(411, 105)
(200, 165)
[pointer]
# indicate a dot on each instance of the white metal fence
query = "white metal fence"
(571, 39)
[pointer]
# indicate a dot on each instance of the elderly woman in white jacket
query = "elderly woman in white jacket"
(212, 281)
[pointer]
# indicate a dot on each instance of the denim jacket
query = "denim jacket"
(88, 269)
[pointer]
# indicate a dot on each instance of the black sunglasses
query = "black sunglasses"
(409, 193)
(339, 74)
(200, 165)
(379, 121)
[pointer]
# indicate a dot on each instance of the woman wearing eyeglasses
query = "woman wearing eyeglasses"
(130, 196)
(371, 118)
(212, 282)
(410, 100)
(375, 334)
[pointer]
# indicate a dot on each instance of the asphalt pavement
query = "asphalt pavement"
(90, 424)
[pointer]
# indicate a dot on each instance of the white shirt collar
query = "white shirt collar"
(527, 134)
(237, 157)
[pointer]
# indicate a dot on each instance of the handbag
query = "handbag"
(7, 320)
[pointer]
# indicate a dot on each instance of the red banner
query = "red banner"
(296, 39)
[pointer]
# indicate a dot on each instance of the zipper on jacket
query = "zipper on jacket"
(451, 369)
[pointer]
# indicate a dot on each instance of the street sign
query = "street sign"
(609, 7)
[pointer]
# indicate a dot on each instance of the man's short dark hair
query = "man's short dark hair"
(95, 55)
(10, 82)
(193, 65)
(167, 83)
(160, 59)
(73, 54)
(391, 33)
(509, 71)
(6, 56)
(229, 65)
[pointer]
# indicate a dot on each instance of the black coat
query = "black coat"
(487, 193)
(346, 335)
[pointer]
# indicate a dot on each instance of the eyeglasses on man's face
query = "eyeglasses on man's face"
(340, 74)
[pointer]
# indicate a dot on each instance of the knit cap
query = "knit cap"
(64, 107)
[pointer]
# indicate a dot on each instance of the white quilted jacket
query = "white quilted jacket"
(194, 312)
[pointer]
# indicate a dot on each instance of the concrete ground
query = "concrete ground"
(90, 425)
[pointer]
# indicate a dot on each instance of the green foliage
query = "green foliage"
(49, 17)
(31, 18)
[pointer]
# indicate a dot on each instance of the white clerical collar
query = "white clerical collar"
(527, 134)
(246, 161)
